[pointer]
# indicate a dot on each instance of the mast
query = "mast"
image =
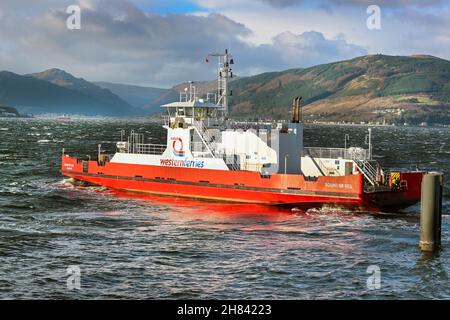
(224, 72)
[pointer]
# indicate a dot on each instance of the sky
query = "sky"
(161, 43)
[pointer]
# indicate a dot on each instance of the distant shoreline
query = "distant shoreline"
(157, 119)
(11, 112)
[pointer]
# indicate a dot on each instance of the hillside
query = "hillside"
(103, 101)
(373, 88)
(57, 92)
(147, 98)
(370, 88)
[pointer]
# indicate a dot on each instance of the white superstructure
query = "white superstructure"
(198, 137)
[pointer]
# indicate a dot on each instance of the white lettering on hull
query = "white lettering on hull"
(68, 166)
(338, 185)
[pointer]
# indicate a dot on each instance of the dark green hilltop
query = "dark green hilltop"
(394, 89)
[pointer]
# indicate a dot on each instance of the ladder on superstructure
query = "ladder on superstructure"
(224, 72)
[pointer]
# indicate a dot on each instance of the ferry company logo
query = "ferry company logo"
(182, 163)
(177, 147)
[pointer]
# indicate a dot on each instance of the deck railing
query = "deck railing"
(144, 148)
(336, 153)
(149, 148)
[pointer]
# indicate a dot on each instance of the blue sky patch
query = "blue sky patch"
(169, 7)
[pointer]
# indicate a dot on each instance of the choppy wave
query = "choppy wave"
(135, 246)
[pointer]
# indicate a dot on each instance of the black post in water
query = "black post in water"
(431, 211)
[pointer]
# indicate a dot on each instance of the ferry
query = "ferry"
(208, 156)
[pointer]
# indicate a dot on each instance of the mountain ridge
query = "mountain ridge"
(147, 98)
(103, 96)
(352, 90)
(37, 94)
(375, 88)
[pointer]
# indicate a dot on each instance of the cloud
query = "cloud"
(310, 48)
(385, 3)
(119, 42)
(388, 3)
(282, 3)
(408, 27)
(420, 32)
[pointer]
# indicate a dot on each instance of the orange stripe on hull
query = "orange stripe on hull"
(236, 186)
(214, 193)
(242, 186)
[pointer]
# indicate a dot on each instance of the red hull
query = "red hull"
(240, 186)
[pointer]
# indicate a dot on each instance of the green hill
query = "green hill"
(373, 88)
(369, 88)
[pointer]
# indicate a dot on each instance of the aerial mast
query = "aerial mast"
(224, 72)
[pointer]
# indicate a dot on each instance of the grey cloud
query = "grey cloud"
(120, 43)
(282, 3)
(312, 47)
(389, 3)
(424, 32)
(386, 3)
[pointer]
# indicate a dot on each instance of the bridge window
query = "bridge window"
(180, 112)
